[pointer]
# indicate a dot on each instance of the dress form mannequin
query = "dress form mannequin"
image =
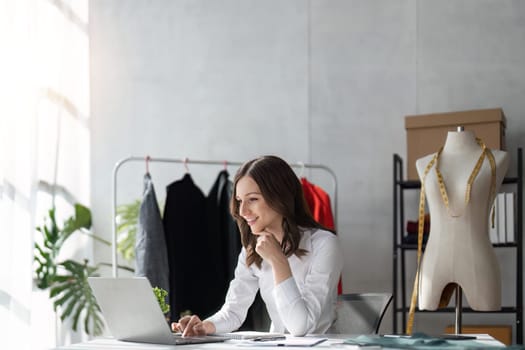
(459, 251)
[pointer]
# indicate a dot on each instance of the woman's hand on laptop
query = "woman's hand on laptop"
(193, 326)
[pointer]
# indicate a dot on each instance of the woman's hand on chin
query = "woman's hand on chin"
(268, 247)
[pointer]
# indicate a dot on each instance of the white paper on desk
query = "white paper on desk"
(289, 341)
(246, 335)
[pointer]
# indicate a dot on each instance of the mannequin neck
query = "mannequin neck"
(461, 142)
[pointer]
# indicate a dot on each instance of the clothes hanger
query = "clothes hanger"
(301, 169)
(148, 158)
(185, 162)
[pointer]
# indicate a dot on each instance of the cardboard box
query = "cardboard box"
(503, 333)
(427, 133)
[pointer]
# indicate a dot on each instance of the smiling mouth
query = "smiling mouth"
(250, 221)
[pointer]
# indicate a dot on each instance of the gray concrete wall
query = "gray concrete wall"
(319, 81)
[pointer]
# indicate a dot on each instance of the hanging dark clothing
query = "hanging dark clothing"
(217, 220)
(150, 245)
(188, 254)
(222, 227)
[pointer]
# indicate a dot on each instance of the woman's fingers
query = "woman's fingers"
(267, 245)
(182, 325)
(266, 237)
(259, 247)
(177, 327)
(193, 327)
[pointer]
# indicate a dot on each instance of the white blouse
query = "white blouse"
(302, 304)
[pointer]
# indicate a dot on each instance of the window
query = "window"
(44, 152)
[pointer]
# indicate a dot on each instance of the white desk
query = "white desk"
(333, 342)
(111, 344)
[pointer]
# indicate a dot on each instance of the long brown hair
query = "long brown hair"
(282, 191)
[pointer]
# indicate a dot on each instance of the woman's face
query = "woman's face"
(254, 209)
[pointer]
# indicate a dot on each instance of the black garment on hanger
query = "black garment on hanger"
(222, 227)
(191, 282)
(216, 238)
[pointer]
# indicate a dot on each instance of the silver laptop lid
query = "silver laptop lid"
(131, 309)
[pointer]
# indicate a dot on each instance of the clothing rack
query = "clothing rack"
(186, 161)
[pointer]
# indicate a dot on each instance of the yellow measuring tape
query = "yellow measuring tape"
(435, 160)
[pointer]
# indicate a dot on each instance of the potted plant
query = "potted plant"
(67, 280)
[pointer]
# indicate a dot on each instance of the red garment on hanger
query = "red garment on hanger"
(320, 205)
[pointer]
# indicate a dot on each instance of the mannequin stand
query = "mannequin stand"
(459, 302)
(457, 334)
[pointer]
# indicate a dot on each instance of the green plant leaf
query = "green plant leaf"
(73, 296)
(67, 281)
(46, 253)
(81, 219)
(161, 294)
(127, 215)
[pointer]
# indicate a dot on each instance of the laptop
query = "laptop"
(132, 312)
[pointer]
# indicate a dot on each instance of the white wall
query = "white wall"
(320, 81)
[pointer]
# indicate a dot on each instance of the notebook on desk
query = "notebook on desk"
(132, 312)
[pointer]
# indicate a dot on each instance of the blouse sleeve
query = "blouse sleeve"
(301, 307)
(240, 296)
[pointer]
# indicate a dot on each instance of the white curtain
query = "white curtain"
(44, 154)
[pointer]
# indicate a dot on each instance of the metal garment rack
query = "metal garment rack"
(185, 161)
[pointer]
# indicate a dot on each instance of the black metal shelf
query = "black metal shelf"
(506, 309)
(415, 184)
(400, 248)
(410, 246)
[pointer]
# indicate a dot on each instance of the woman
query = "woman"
(286, 254)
